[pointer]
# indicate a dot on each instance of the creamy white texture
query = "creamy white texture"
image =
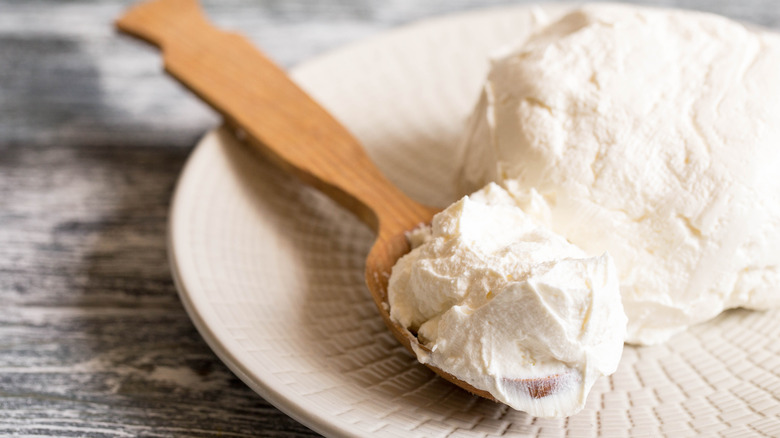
(653, 135)
(508, 306)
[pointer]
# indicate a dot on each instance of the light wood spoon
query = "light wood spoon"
(284, 124)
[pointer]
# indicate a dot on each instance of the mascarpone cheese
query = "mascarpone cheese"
(508, 306)
(651, 134)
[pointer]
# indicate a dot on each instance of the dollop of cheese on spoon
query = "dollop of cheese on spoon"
(509, 307)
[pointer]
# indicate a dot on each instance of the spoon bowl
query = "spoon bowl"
(286, 126)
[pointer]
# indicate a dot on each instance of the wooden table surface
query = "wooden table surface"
(93, 338)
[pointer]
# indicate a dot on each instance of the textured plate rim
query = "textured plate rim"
(220, 345)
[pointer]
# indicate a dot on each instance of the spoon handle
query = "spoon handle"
(279, 119)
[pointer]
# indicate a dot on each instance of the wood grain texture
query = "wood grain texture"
(93, 339)
(275, 115)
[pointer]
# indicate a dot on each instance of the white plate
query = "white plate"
(271, 272)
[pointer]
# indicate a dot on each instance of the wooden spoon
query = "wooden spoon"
(284, 124)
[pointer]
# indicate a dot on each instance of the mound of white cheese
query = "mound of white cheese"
(654, 135)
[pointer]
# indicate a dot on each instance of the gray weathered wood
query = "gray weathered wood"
(93, 339)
